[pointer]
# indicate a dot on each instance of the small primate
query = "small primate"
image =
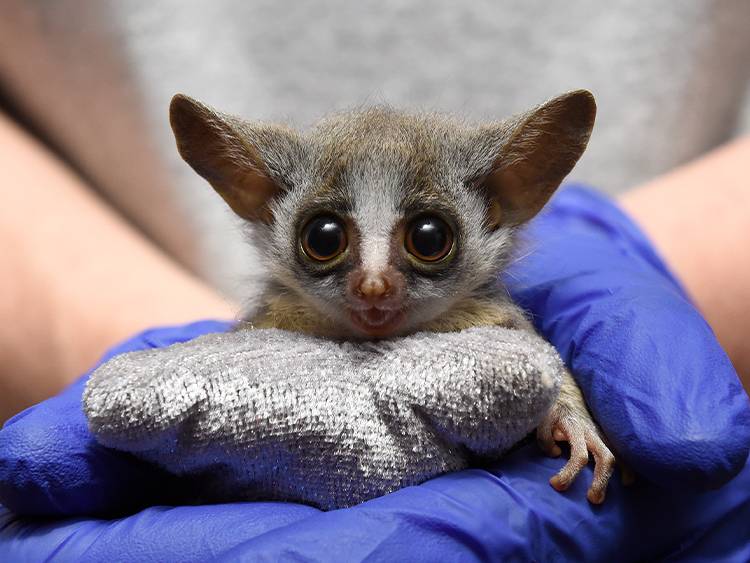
(377, 223)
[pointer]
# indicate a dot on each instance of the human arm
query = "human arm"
(483, 513)
(506, 510)
(698, 218)
(76, 277)
(47, 215)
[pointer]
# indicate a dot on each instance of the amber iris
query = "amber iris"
(324, 238)
(429, 239)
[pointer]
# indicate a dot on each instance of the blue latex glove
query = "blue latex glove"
(649, 366)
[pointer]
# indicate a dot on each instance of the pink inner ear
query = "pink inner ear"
(250, 194)
(517, 193)
(542, 150)
(212, 146)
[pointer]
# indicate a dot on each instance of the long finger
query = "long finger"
(604, 467)
(579, 457)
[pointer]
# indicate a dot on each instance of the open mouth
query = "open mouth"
(377, 322)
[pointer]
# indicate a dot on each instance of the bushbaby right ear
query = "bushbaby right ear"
(227, 153)
(539, 149)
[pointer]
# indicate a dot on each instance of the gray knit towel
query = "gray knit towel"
(269, 414)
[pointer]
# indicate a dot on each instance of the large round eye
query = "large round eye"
(429, 238)
(324, 238)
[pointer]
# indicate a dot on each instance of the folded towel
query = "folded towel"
(270, 414)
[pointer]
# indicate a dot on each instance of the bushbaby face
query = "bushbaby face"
(387, 231)
(379, 220)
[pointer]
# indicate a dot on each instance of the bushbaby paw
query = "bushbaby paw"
(565, 424)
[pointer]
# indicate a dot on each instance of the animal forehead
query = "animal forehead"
(393, 154)
(382, 131)
(379, 163)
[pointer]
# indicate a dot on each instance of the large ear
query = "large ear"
(220, 148)
(540, 149)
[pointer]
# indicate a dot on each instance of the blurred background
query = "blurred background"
(93, 79)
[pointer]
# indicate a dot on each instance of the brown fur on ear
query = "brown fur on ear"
(542, 147)
(215, 147)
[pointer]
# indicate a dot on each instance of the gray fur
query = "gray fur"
(373, 165)
(269, 414)
(378, 168)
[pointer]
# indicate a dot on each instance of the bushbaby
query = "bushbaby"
(377, 224)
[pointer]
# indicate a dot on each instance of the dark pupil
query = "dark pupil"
(324, 237)
(429, 237)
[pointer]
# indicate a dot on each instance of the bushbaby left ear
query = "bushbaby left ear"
(540, 149)
(245, 163)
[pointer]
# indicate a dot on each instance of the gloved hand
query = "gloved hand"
(650, 368)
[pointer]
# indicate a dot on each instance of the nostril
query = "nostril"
(386, 285)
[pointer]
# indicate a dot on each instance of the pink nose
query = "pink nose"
(374, 286)
(383, 288)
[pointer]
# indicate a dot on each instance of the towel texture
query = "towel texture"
(269, 414)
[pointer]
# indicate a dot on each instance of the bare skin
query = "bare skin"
(63, 320)
(76, 278)
(698, 216)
